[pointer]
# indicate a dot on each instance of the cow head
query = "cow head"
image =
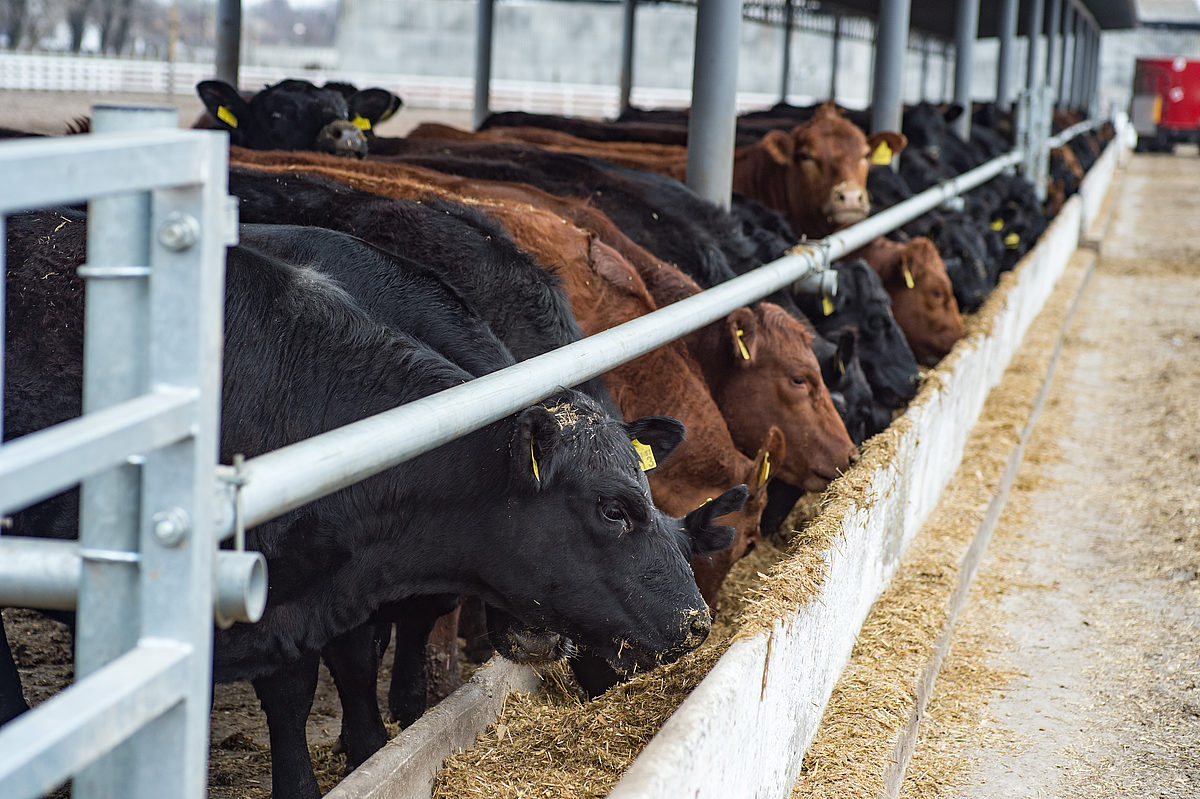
(582, 550)
(771, 377)
(296, 115)
(922, 297)
(819, 173)
(710, 569)
(863, 304)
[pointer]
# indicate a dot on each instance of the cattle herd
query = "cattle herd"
(599, 523)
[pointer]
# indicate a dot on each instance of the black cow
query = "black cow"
(545, 514)
(296, 115)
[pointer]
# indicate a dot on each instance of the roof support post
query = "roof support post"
(483, 59)
(966, 28)
(1093, 85)
(1004, 65)
(923, 94)
(628, 13)
(712, 122)
(786, 66)
(946, 72)
(1080, 70)
(1053, 43)
(1066, 73)
(835, 55)
(1033, 32)
(891, 43)
(229, 40)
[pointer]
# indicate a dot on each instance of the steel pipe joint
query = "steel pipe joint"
(818, 281)
(240, 589)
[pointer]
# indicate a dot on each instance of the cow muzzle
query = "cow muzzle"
(341, 137)
(847, 204)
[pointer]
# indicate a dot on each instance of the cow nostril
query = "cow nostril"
(700, 624)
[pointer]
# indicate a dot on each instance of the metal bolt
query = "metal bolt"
(179, 231)
(170, 526)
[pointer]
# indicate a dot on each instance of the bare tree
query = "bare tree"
(14, 15)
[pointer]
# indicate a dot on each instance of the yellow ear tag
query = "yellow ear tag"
(645, 455)
(827, 305)
(1011, 241)
(765, 472)
(362, 123)
(841, 366)
(997, 224)
(882, 155)
(533, 459)
(226, 116)
(908, 278)
(742, 345)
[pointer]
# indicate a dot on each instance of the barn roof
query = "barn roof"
(936, 17)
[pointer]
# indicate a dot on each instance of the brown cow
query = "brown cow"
(816, 174)
(776, 389)
(914, 276)
(604, 290)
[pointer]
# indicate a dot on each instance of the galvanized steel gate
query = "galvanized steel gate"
(144, 573)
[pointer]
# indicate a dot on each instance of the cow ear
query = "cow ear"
(952, 112)
(536, 428)
(372, 106)
(845, 345)
(780, 146)
(224, 103)
(768, 459)
(891, 140)
(743, 335)
(660, 434)
(706, 535)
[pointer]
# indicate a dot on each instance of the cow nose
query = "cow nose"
(342, 137)
(700, 624)
(847, 195)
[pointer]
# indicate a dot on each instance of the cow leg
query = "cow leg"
(286, 697)
(353, 662)
(415, 620)
(442, 675)
(12, 700)
(472, 625)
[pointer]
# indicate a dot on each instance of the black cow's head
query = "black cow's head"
(583, 551)
(296, 115)
(886, 358)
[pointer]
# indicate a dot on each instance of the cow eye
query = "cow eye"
(615, 513)
(799, 381)
(803, 155)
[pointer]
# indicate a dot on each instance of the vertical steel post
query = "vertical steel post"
(1066, 74)
(1007, 34)
(713, 120)
(947, 72)
(786, 66)
(891, 42)
(229, 40)
(835, 55)
(923, 94)
(187, 294)
(1095, 88)
(628, 14)
(966, 27)
(1033, 56)
(115, 356)
(483, 60)
(1079, 71)
(1053, 43)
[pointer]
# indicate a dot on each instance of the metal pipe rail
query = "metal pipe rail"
(278, 481)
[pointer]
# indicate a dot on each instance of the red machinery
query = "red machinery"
(1166, 102)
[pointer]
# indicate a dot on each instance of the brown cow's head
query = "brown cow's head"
(770, 377)
(711, 570)
(817, 173)
(915, 278)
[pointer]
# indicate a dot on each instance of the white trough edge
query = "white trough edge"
(407, 765)
(744, 729)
